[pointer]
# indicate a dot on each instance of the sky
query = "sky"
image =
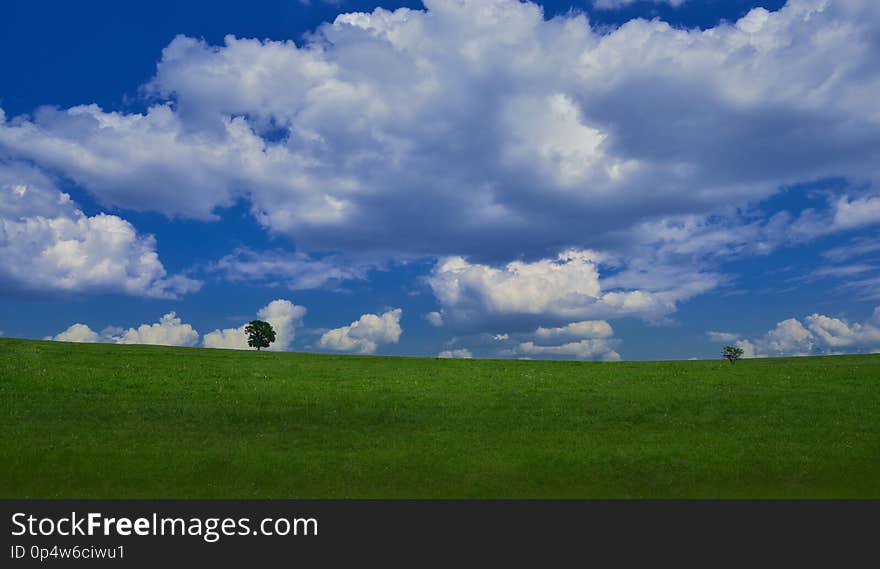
(599, 180)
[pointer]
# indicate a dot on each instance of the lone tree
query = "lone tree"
(732, 353)
(260, 334)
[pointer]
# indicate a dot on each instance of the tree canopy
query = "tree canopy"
(260, 334)
(732, 353)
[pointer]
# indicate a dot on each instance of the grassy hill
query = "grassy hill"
(82, 420)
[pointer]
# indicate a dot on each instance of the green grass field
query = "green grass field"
(141, 421)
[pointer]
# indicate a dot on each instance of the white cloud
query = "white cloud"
(227, 339)
(137, 161)
(565, 288)
(740, 233)
(77, 333)
(283, 315)
(585, 340)
(789, 338)
(684, 252)
(821, 335)
(844, 213)
(748, 348)
(48, 245)
(169, 331)
(27, 192)
(837, 333)
(364, 335)
(584, 349)
(722, 336)
(530, 288)
(584, 329)
(296, 271)
(434, 319)
(589, 339)
(615, 4)
(364, 138)
(856, 213)
(366, 135)
(462, 353)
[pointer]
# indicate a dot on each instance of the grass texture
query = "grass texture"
(108, 421)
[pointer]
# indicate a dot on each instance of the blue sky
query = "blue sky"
(592, 180)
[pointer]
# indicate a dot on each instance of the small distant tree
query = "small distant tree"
(260, 334)
(732, 353)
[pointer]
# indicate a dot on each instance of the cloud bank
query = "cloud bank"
(170, 330)
(817, 334)
(418, 123)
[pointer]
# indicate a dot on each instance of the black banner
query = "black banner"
(177, 532)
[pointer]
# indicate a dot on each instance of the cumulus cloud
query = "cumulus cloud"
(283, 315)
(584, 329)
(566, 288)
(837, 333)
(168, 331)
(582, 349)
(364, 335)
(77, 333)
(434, 318)
(461, 353)
(367, 131)
(137, 161)
(790, 338)
(817, 334)
(47, 245)
(227, 339)
(585, 340)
